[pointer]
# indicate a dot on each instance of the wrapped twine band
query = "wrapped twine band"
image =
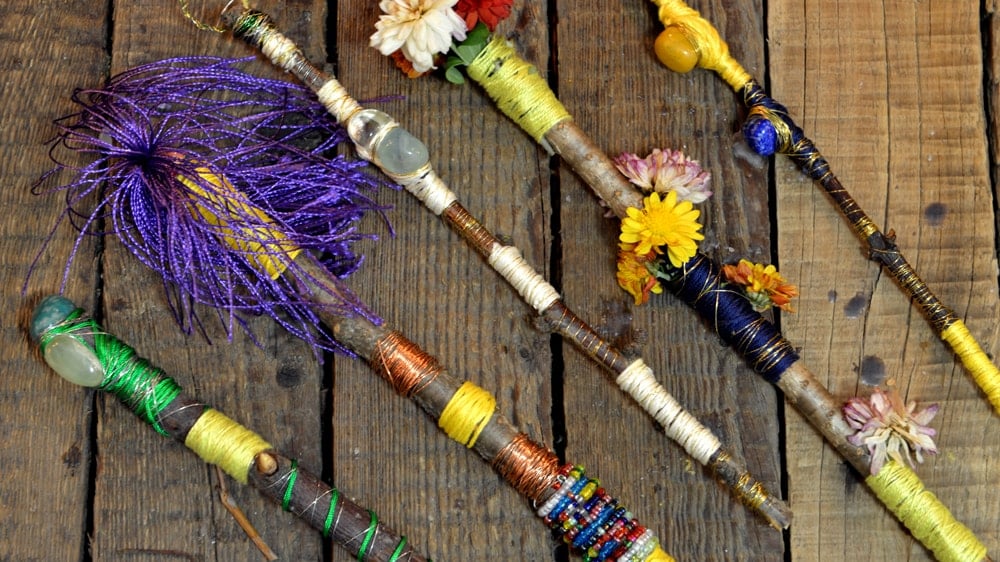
(241, 453)
(539, 111)
(769, 129)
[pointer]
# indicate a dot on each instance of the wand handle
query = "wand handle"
(80, 351)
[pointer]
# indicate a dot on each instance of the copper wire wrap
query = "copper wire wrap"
(527, 466)
(460, 219)
(404, 365)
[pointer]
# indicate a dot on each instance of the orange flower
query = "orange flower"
(764, 286)
(634, 277)
(405, 65)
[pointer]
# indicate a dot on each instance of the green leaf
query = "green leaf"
(453, 71)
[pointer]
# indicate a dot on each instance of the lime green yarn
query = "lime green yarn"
(517, 88)
(924, 515)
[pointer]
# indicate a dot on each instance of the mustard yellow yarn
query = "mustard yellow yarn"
(713, 52)
(924, 515)
(517, 88)
(983, 371)
(467, 413)
(220, 441)
(659, 555)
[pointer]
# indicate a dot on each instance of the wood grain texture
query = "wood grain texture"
(44, 422)
(895, 102)
(893, 94)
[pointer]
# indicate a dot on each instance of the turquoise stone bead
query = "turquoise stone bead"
(74, 361)
(401, 153)
(49, 312)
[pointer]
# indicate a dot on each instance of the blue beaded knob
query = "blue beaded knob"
(761, 135)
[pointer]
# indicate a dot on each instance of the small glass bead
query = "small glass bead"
(74, 361)
(675, 51)
(401, 153)
(365, 129)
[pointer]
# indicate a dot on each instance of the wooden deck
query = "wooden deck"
(897, 94)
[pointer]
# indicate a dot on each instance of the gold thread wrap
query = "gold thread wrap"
(713, 52)
(517, 88)
(924, 515)
(467, 413)
(221, 441)
(982, 369)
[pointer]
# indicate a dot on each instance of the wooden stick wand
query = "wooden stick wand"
(522, 94)
(690, 40)
(80, 351)
(404, 158)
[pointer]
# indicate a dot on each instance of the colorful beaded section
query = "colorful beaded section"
(593, 522)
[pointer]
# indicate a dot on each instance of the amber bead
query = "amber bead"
(675, 51)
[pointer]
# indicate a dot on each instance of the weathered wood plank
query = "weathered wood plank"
(611, 81)
(892, 94)
(44, 421)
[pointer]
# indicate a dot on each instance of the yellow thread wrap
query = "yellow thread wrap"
(713, 52)
(983, 371)
(517, 88)
(220, 441)
(659, 555)
(924, 515)
(467, 413)
(260, 245)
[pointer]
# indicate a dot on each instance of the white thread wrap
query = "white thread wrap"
(428, 187)
(638, 381)
(280, 49)
(337, 101)
(507, 261)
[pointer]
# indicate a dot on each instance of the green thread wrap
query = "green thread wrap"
(293, 475)
(328, 523)
(372, 526)
(132, 379)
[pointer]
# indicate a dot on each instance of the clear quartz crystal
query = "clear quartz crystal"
(381, 140)
(74, 361)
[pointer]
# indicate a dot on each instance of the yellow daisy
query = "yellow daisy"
(663, 223)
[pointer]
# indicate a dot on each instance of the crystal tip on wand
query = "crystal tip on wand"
(67, 354)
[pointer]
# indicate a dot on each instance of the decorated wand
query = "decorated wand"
(169, 151)
(402, 157)
(690, 40)
(77, 349)
(663, 237)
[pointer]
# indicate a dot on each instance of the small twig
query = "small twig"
(241, 518)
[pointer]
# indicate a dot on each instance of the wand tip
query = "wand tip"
(49, 312)
(67, 355)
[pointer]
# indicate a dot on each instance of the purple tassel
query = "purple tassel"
(271, 140)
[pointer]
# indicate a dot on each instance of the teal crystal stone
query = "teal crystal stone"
(51, 311)
(74, 360)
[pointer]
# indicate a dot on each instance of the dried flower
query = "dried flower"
(490, 12)
(634, 277)
(667, 170)
(764, 286)
(889, 429)
(420, 28)
(663, 223)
